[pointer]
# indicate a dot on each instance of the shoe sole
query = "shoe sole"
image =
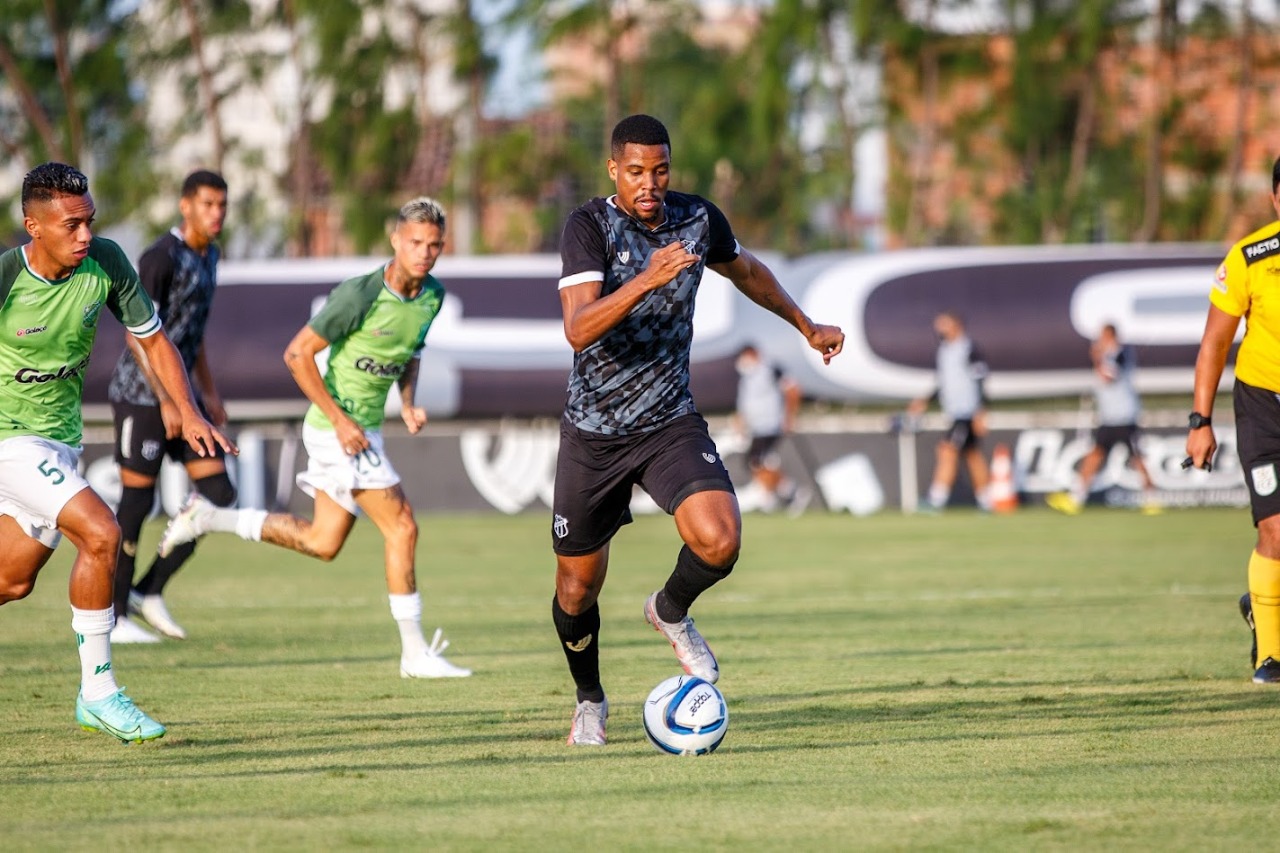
(125, 740)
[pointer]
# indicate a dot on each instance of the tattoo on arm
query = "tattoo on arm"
(409, 381)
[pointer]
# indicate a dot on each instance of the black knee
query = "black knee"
(217, 489)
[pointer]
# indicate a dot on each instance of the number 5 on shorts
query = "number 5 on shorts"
(51, 472)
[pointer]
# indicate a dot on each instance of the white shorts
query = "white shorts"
(331, 470)
(38, 477)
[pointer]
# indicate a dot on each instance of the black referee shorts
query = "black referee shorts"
(595, 475)
(1258, 444)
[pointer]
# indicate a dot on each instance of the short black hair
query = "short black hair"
(640, 130)
(202, 178)
(50, 180)
(1275, 176)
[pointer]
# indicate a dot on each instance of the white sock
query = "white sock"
(249, 524)
(407, 611)
(1078, 492)
(939, 495)
(93, 637)
(245, 523)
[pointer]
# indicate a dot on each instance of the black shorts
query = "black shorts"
(1107, 437)
(960, 434)
(595, 475)
(763, 451)
(140, 442)
(1258, 443)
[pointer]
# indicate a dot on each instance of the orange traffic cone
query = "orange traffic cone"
(1001, 492)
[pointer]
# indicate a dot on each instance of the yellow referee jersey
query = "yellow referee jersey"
(1248, 285)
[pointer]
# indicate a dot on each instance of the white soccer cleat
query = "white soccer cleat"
(151, 608)
(431, 663)
(692, 651)
(589, 720)
(191, 522)
(127, 632)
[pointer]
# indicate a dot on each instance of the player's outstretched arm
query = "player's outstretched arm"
(1219, 332)
(203, 376)
(169, 370)
(762, 287)
(170, 416)
(300, 358)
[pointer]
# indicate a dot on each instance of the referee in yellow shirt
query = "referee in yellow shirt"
(1248, 285)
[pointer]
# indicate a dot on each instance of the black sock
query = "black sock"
(163, 568)
(580, 642)
(690, 578)
(218, 490)
(135, 506)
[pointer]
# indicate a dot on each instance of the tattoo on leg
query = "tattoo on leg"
(288, 531)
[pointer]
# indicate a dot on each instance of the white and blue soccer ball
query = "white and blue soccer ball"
(685, 715)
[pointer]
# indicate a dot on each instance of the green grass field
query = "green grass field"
(963, 681)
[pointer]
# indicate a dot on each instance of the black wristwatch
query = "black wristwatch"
(1196, 420)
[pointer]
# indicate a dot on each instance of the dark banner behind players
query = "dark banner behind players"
(498, 347)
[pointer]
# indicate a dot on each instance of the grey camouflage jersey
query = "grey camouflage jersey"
(181, 282)
(635, 378)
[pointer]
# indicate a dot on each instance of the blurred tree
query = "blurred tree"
(1161, 115)
(197, 42)
(65, 94)
(1056, 110)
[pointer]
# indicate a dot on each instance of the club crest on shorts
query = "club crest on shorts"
(1264, 479)
(710, 457)
(150, 449)
(560, 526)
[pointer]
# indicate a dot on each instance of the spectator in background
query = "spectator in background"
(766, 411)
(179, 272)
(961, 371)
(1118, 404)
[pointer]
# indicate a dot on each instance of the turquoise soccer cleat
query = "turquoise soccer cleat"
(117, 716)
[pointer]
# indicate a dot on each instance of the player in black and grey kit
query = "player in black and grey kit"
(179, 273)
(631, 268)
(960, 395)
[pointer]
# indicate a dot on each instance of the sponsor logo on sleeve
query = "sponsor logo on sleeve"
(1220, 280)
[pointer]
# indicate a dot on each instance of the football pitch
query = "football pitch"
(959, 681)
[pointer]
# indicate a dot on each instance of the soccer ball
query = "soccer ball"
(685, 715)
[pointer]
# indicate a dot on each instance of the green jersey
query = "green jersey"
(373, 333)
(46, 335)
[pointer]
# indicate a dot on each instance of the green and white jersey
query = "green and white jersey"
(373, 333)
(46, 335)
